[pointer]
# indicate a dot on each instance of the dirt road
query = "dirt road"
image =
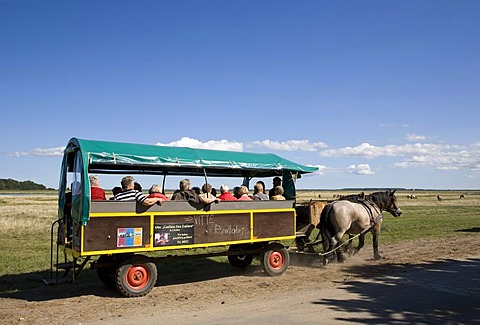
(421, 282)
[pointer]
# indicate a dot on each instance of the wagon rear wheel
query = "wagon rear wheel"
(275, 259)
(106, 269)
(239, 261)
(136, 276)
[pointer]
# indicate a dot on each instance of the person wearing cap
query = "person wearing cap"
(277, 181)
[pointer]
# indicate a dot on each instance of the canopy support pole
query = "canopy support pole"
(163, 183)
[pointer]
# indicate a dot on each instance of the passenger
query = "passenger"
(207, 192)
(156, 191)
(263, 186)
(196, 189)
(186, 194)
(130, 194)
(225, 195)
(96, 192)
(258, 194)
(137, 187)
(115, 191)
(277, 181)
(243, 192)
(235, 192)
(278, 194)
(214, 191)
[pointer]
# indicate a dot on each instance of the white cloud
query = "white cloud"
(49, 152)
(415, 137)
(290, 145)
(368, 150)
(321, 169)
(444, 160)
(211, 144)
(360, 169)
(440, 156)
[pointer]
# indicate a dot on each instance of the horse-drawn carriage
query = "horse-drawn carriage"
(122, 240)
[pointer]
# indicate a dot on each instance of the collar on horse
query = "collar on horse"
(373, 210)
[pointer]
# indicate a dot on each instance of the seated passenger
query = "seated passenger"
(130, 194)
(258, 193)
(115, 191)
(235, 192)
(277, 181)
(207, 192)
(196, 189)
(156, 191)
(96, 193)
(186, 194)
(137, 187)
(225, 195)
(243, 192)
(278, 193)
(263, 186)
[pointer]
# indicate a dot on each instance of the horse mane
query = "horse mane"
(355, 198)
(381, 199)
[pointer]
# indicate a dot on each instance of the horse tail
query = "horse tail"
(324, 217)
(325, 226)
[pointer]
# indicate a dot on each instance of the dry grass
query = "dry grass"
(27, 214)
(423, 198)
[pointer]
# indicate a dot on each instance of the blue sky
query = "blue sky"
(375, 93)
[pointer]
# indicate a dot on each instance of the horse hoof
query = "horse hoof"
(377, 257)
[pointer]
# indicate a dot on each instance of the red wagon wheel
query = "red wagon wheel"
(275, 259)
(136, 276)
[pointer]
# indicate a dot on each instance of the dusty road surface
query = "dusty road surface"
(422, 282)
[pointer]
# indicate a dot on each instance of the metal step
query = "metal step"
(66, 266)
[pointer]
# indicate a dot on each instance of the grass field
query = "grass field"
(25, 227)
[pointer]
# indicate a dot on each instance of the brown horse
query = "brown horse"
(356, 218)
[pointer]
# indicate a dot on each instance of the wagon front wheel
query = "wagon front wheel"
(239, 261)
(275, 259)
(136, 276)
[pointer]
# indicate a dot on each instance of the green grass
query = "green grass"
(431, 222)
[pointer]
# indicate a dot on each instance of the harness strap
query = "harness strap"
(368, 205)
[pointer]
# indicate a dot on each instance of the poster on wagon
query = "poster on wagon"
(129, 237)
(168, 234)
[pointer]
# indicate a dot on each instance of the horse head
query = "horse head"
(386, 201)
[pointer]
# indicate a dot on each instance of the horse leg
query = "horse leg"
(361, 243)
(340, 256)
(376, 233)
(328, 242)
(337, 245)
(349, 248)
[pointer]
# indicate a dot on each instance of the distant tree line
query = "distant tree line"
(11, 184)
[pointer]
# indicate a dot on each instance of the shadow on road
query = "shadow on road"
(30, 286)
(440, 292)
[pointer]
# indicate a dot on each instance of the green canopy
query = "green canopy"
(127, 158)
